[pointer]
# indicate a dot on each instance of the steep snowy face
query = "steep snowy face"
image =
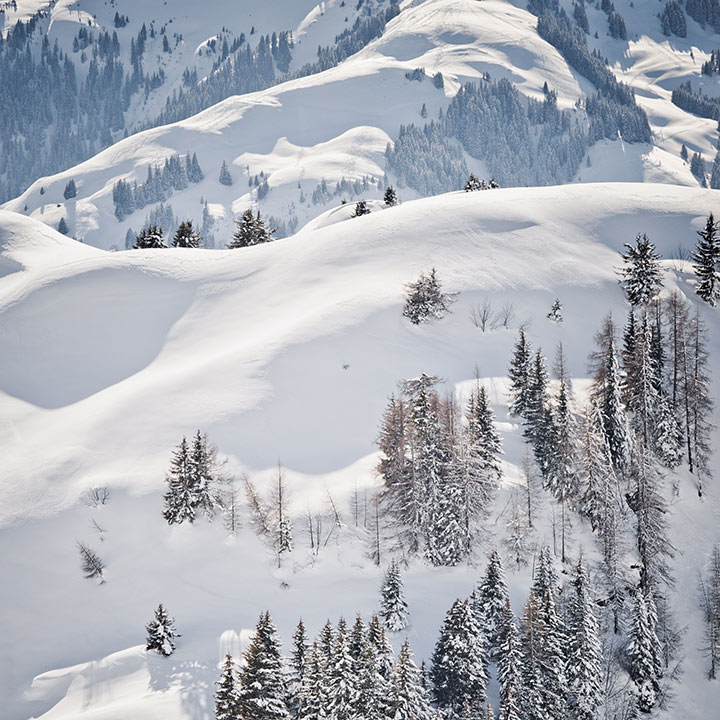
(304, 144)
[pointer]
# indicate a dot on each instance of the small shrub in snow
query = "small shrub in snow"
(361, 208)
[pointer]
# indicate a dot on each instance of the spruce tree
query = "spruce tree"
(226, 698)
(372, 700)
(390, 198)
(70, 190)
(251, 230)
(642, 277)
(342, 685)
(408, 698)
(509, 660)
(186, 236)
(225, 176)
(545, 577)
(537, 399)
(707, 262)
(491, 597)
(519, 374)
(361, 208)
(203, 465)
(459, 671)
(357, 641)
(584, 656)
(426, 300)
(313, 692)
(149, 238)
(393, 608)
(531, 699)
(553, 683)
(643, 655)
(262, 693)
(180, 498)
(63, 227)
(161, 633)
(614, 418)
(641, 382)
(484, 441)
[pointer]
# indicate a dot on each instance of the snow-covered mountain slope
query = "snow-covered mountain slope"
(284, 351)
(336, 124)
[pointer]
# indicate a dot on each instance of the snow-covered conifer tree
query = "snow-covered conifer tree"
(226, 697)
(342, 682)
(263, 692)
(150, 238)
(361, 208)
(490, 599)
(179, 498)
(642, 652)
(459, 670)
(393, 608)
(642, 277)
(584, 655)
(707, 262)
(225, 176)
(519, 374)
(314, 691)
(426, 300)
(390, 198)
(161, 633)
(408, 698)
(186, 236)
(509, 660)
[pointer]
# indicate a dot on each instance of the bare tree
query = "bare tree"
(96, 496)
(506, 314)
(283, 524)
(259, 511)
(481, 314)
(231, 507)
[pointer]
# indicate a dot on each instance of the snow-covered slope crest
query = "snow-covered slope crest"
(289, 351)
(337, 122)
(207, 338)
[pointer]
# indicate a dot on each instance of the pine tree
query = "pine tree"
(161, 633)
(459, 671)
(642, 277)
(361, 208)
(393, 608)
(408, 697)
(179, 498)
(226, 698)
(584, 657)
(519, 374)
(390, 198)
(642, 655)
(225, 176)
(150, 238)
(262, 684)
(426, 300)
(186, 236)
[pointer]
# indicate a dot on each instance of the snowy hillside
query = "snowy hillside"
(301, 139)
(283, 351)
